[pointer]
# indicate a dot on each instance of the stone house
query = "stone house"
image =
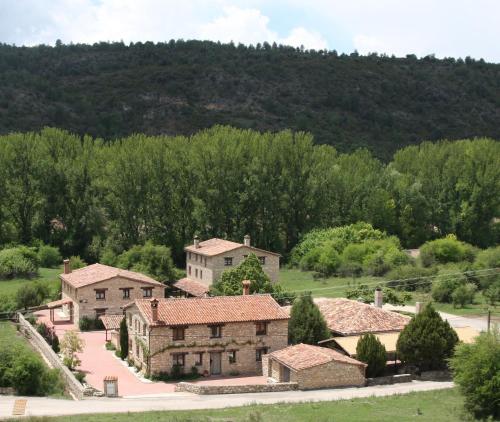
(221, 335)
(313, 367)
(207, 260)
(98, 289)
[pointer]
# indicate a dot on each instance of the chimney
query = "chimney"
(246, 240)
(67, 266)
(378, 297)
(418, 307)
(196, 242)
(154, 310)
(246, 287)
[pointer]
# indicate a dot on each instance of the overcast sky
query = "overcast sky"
(446, 28)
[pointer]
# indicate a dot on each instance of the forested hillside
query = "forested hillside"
(85, 195)
(382, 103)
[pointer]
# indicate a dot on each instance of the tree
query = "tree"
(372, 352)
(306, 324)
(31, 295)
(70, 345)
(463, 294)
(26, 374)
(55, 343)
(427, 341)
(476, 370)
(123, 339)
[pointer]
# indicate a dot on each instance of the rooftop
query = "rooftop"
(193, 287)
(304, 356)
(215, 246)
(212, 310)
(111, 322)
(349, 317)
(96, 273)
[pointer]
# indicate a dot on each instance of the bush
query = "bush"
(55, 343)
(110, 346)
(33, 294)
(76, 262)
(476, 370)
(372, 352)
(90, 324)
(492, 293)
(463, 295)
(427, 341)
(123, 339)
(49, 256)
(306, 324)
(80, 376)
(366, 294)
(177, 372)
(410, 278)
(18, 262)
(443, 251)
(26, 374)
(488, 258)
(310, 259)
(445, 284)
(328, 261)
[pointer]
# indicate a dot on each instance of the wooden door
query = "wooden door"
(215, 363)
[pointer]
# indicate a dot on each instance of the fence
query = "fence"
(74, 386)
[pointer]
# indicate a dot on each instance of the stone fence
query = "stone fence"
(235, 389)
(391, 379)
(74, 386)
(443, 375)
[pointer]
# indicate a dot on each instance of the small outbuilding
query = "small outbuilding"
(313, 367)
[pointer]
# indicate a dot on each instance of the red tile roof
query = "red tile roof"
(212, 310)
(96, 273)
(215, 246)
(349, 317)
(111, 322)
(194, 288)
(59, 303)
(303, 356)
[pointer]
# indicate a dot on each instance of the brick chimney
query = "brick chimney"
(196, 242)
(154, 309)
(246, 240)
(246, 287)
(378, 297)
(67, 266)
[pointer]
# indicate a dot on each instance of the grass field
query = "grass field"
(46, 275)
(436, 406)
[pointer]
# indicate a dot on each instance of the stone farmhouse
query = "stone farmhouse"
(207, 260)
(313, 367)
(222, 335)
(98, 289)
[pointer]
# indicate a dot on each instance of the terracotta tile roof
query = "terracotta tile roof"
(96, 273)
(212, 310)
(303, 356)
(59, 303)
(111, 322)
(193, 287)
(349, 317)
(215, 246)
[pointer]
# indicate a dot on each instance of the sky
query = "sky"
(446, 28)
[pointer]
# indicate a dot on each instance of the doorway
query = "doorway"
(285, 374)
(215, 363)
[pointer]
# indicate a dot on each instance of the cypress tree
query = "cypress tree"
(306, 324)
(372, 352)
(123, 339)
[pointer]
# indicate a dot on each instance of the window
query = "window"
(196, 258)
(261, 328)
(136, 349)
(201, 273)
(189, 269)
(205, 261)
(198, 359)
(196, 272)
(189, 255)
(228, 261)
(232, 356)
(178, 333)
(126, 293)
(147, 292)
(100, 294)
(215, 331)
(262, 260)
(130, 319)
(143, 329)
(178, 359)
(245, 256)
(259, 352)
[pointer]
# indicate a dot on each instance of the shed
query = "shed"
(313, 367)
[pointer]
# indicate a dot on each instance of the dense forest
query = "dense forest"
(86, 196)
(110, 90)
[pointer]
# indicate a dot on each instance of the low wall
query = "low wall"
(235, 389)
(391, 379)
(434, 376)
(44, 348)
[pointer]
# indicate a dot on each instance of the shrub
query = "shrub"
(18, 262)
(80, 376)
(31, 295)
(310, 259)
(123, 339)
(448, 249)
(488, 258)
(445, 284)
(55, 343)
(306, 324)
(49, 256)
(410, 278)
(177, 372)
(372, 352)
(463, 295)
(90, 324)
(26, 373)
(366, 294)
(328, 261)
(110, 346)
(492, 293)
(70, 345)
(76, 262)
(427, 341)
(476, 370)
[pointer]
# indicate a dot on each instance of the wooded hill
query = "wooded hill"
(349, 101)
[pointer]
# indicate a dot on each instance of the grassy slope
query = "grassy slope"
(443, 405)
(46, 275)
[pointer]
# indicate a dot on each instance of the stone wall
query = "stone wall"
(391, 379)
(443, 375)
(39, 343)
(234, 389)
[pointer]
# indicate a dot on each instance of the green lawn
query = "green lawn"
(46, 275)
(436, 406)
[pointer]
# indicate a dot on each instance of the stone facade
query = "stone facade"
(154, 350)
(85, 302)
(208, 269)
(329, 375)
(235, 389)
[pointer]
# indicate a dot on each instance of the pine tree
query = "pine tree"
(427, 341)
(372, 352)
(306, 324)
(123, 339)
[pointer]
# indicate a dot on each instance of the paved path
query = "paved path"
(40, 406)
(479, 324)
